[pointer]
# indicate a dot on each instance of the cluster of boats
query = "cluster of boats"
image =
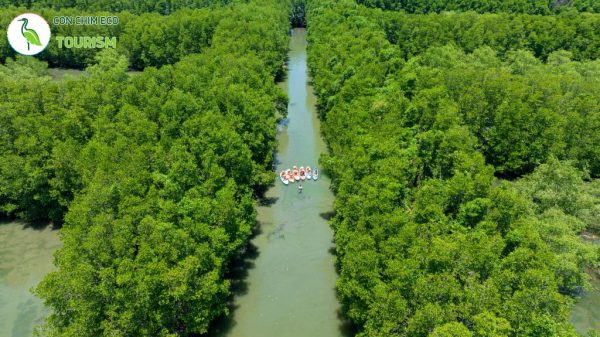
(298, 174)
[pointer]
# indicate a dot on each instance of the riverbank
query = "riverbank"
(25, 257)
(585, 314)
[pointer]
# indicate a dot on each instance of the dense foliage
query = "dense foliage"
(521, 111)
(509, 6)
(429, 241)
(147, 39)
(298, 13)
(542, 35)
(156, 172)
(133, 6)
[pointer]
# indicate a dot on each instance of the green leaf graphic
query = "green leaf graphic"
(32, 37)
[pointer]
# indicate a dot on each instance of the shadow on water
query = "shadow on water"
(239, 270)
(237, 274)
(38, 225)
(332, 250)
(266, 201)
(327, 215)
(5, 220)
(347, 328)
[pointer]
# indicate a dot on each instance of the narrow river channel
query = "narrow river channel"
(290, 287)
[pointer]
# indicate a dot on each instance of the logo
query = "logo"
(28, 34)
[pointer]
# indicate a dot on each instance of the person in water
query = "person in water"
(299, 188)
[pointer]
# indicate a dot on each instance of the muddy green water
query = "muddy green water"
(585, 314)
(25, 257)
(59, 74)
(289, 288)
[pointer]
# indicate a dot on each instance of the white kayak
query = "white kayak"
(283, 178)
(296, 175)
(289, 176)
(308, 173)
(315, 174)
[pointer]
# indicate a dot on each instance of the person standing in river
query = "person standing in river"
(299, 188)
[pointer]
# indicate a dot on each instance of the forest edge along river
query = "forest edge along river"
(585, 314)
(289, 289)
